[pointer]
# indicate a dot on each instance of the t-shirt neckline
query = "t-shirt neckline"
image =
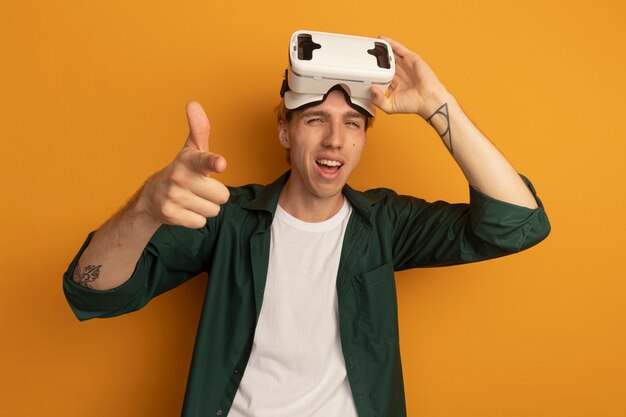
(322, 226)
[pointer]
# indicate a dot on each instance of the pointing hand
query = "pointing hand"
(183, 193)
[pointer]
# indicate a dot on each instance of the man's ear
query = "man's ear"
(283, 134)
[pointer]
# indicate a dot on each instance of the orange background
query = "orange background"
(92, 97)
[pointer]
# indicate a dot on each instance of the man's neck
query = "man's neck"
(306, 207)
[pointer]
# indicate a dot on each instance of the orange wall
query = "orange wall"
(92, 97)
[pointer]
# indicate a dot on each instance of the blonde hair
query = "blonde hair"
(283, 114)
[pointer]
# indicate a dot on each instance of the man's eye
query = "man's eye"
(354, 123)
(314, 120)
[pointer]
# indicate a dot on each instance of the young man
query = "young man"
(300, 315)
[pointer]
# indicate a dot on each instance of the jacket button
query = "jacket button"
(218, 412)
(236, 371)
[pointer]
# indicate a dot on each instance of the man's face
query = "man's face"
(325, 143)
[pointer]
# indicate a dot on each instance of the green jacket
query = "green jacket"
(385, 233)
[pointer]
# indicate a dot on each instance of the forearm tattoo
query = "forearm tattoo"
(87, 275)
(446, 135)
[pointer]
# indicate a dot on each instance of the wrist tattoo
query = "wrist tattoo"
(88, 274)
(446, 135)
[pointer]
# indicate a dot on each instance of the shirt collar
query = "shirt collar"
(267, 200)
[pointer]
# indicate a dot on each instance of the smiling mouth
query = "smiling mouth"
(329, 165)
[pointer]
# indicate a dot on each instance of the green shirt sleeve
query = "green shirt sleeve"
(440, 233)
(173, 255)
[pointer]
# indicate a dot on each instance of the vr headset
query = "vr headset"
(320, 61)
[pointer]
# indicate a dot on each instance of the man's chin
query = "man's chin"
(329, 191)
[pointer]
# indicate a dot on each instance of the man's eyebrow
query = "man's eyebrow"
(354, 113)
(315, 113)
(346, 115)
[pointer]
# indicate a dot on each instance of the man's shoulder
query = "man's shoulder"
(245, 193)
(257, 196)
(371, 196)
(385, 203)
(376, 194)
(244, 196)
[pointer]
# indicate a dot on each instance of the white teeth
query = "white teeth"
(329, 163)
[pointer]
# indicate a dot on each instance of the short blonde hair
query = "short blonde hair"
(283, 114)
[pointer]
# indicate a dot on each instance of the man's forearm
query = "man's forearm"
(115, 248)
(182, 194)
(482, 164)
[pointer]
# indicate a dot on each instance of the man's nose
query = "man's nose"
(334, 136)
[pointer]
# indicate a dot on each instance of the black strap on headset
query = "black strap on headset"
(285, 87)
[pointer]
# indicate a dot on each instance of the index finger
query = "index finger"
(397, 47)
(207, 162)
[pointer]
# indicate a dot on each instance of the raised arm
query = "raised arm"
(416, 89)
(182, 194)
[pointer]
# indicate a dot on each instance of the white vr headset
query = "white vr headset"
(319, 61)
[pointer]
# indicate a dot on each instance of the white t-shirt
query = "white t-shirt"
(296, 367)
